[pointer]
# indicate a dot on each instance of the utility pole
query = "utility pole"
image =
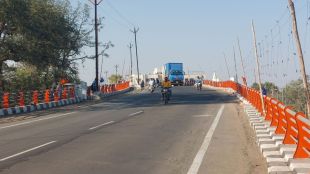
(242, 62)
(258, 69)
(236, 76)
(227, 66)
(130, 46)
(106, 75)
(96, 3)
(135, 31)
(300, 55)
(116, 67)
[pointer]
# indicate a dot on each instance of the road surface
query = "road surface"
(197, 132)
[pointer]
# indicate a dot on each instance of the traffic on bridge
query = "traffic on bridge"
(178, 87)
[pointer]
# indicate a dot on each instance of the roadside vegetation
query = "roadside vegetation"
(40, 42)
(291, 94)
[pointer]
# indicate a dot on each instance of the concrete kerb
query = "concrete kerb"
(279, 156)
(31, 108)
(40, 106)
(269, 143)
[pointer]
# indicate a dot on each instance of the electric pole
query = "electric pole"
(106, 75)
(227, 66)
(236, 76)
(300, 55)
(135, 31)
(242, 63)
(257, 68)
(96, 3)
(130, 51)
(116, 67)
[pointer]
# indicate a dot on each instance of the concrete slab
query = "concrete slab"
(268, 147)
(279, 170)
(275, 154)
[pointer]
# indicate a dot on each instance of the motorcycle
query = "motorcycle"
(199, 86)
(165, 94)
(152, 88)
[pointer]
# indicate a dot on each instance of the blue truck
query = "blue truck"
(175, 73)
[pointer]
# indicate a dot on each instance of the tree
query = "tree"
(294, 95)
(270, 87)
(255, 86)
(46, 35)
(115, 78)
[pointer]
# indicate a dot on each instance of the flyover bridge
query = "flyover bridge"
(214, 130)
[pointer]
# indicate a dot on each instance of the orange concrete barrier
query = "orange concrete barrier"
(47, 96)
(21, 99)
(56, 97)
(294, 126)
(64, 93)
(6, 103)
(72, 92)
(35, 97)
(303, 145)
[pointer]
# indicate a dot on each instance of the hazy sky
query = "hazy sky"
(198, 32)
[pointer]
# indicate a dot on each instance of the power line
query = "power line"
(119, 14)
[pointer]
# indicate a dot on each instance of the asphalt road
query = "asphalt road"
(197, 132)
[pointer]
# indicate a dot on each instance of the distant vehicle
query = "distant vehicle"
(175, 73)
(198, 84)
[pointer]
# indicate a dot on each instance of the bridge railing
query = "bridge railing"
(22, 98)
(293, 125)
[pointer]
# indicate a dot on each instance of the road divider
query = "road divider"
(26, 151)
(98, 126)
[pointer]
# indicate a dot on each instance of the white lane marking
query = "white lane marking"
(104, 124)
(28, 122)
(206, 142)
(26, 151)
(202, 115)
(136, 113)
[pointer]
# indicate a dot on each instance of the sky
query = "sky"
(198, 33)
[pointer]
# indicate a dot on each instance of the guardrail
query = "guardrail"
(293, 125)
(23, 98)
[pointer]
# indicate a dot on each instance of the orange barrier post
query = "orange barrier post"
(72, 93)
(35, 96)
(303, 146)
(64, 93)
(47, 96)
(56, 98)
(21, 99)
(6, 103)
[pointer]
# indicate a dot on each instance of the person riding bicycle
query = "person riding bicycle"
(166, 84)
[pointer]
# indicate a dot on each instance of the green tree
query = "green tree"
(115, 78)
(46, 35)
(294, 95)
(255, 86)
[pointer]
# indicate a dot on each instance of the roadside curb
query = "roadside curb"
(40, 106)
(279, 156)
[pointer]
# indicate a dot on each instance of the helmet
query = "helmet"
(166, 78)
